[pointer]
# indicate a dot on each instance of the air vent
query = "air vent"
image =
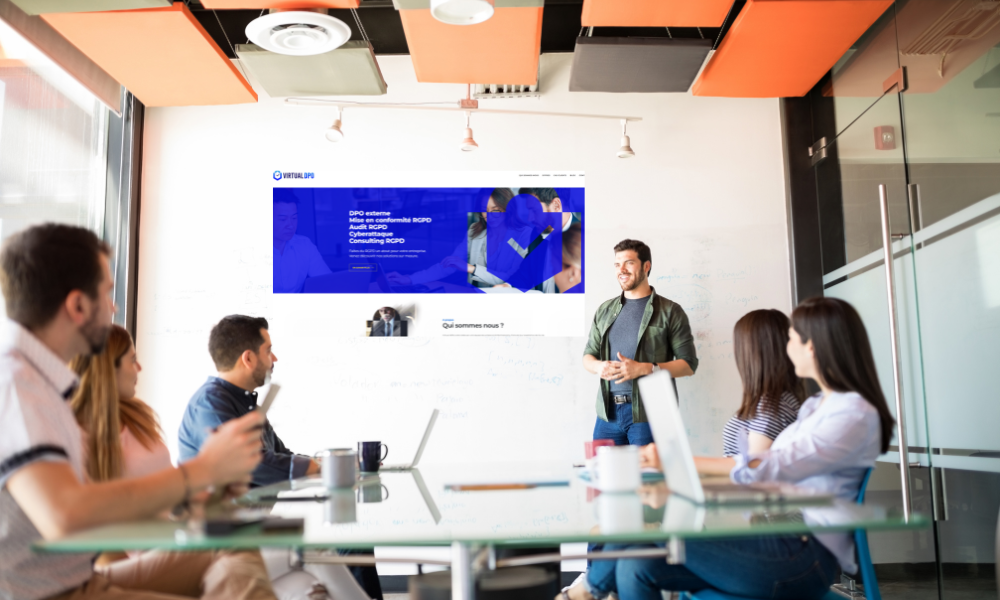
(298, 33)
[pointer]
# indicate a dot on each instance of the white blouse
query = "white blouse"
(828, 449)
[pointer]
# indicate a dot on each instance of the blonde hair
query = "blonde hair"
(102, 413)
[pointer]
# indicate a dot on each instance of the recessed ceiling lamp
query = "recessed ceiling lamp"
(626, 150)
(334, 133)
(468, 144)
(461, 12)
(298, 33)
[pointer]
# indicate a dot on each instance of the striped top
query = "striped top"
(770, 421)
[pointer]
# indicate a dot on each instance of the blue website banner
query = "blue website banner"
(427, 240)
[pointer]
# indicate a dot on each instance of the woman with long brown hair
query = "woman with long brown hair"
(124, 438)
(772, 392)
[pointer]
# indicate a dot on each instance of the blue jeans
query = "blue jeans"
(624, 432)
(620, 428)
(786, 567)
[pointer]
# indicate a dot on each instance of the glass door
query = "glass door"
(862, 191)
(951, 125)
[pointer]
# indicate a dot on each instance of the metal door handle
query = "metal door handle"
(897, 379)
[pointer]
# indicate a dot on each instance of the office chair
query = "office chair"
(865, 568)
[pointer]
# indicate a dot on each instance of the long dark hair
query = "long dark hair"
(500, 196)
(843, 353)
(760, 340)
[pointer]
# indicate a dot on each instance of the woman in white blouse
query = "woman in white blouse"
(837, 437)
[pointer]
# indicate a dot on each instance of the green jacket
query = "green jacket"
(664, 335)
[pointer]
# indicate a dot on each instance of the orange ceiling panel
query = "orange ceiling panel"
(654, 13)
(286, 4)
(503, 49)
(781, 48)
(162, 55)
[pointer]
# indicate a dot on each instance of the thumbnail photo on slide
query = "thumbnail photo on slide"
(359, 240)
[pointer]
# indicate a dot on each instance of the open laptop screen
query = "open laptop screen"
(660, 401)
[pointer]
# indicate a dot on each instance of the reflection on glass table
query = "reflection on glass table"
(418, 508)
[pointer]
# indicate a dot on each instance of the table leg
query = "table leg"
(463, 582)
(676, 548)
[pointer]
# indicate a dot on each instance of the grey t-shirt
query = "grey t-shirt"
(624, 337)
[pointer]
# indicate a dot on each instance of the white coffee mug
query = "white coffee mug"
(618, 469)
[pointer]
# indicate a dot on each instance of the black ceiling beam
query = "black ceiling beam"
(560, 26)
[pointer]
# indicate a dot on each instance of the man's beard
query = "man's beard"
(636, 282)
(95, 334)
(260, 375)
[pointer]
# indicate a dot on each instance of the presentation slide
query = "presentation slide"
(433, 247)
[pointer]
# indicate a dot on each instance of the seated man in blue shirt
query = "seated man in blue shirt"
(241, 348)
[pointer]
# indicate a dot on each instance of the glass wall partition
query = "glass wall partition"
(935, 148)
(951, 125)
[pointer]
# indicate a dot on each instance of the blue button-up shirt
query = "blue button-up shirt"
(218, 401)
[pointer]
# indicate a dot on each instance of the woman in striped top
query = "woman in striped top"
(772, 393)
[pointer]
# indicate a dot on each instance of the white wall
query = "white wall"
(706, 191)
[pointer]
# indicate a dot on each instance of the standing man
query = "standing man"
(389, 325)
(633, 335)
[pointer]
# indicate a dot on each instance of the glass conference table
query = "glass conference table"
(477, 509)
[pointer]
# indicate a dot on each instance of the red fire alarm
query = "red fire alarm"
(885, 137)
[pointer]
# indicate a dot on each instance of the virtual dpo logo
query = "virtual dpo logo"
(279, 175)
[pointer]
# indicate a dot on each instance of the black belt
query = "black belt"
(622, 399)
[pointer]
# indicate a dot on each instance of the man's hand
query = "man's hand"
(610, 370)
(230, 454)
(649, 457)
(397, 278)
(629, 369)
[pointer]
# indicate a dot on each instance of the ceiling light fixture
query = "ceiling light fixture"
(626, 150)
(298, 32)
(461, 12)
(466, 105)
(468, 144)
(334, 133)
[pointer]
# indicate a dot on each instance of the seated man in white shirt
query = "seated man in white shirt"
(295, 256)
(57, 284)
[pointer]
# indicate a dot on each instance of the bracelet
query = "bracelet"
(187, 484)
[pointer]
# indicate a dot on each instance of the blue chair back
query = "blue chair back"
(865, 566)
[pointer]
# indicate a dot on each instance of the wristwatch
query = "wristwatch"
(656, 368)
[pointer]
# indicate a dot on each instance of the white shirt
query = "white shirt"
(828, 449)
(36, 424)
(299, 260)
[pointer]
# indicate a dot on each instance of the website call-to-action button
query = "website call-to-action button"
(367, 267)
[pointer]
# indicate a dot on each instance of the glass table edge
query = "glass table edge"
(252, 539)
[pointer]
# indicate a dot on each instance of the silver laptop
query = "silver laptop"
(660, 401)
(420, 449)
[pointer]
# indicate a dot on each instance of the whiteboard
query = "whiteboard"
(501, 398)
